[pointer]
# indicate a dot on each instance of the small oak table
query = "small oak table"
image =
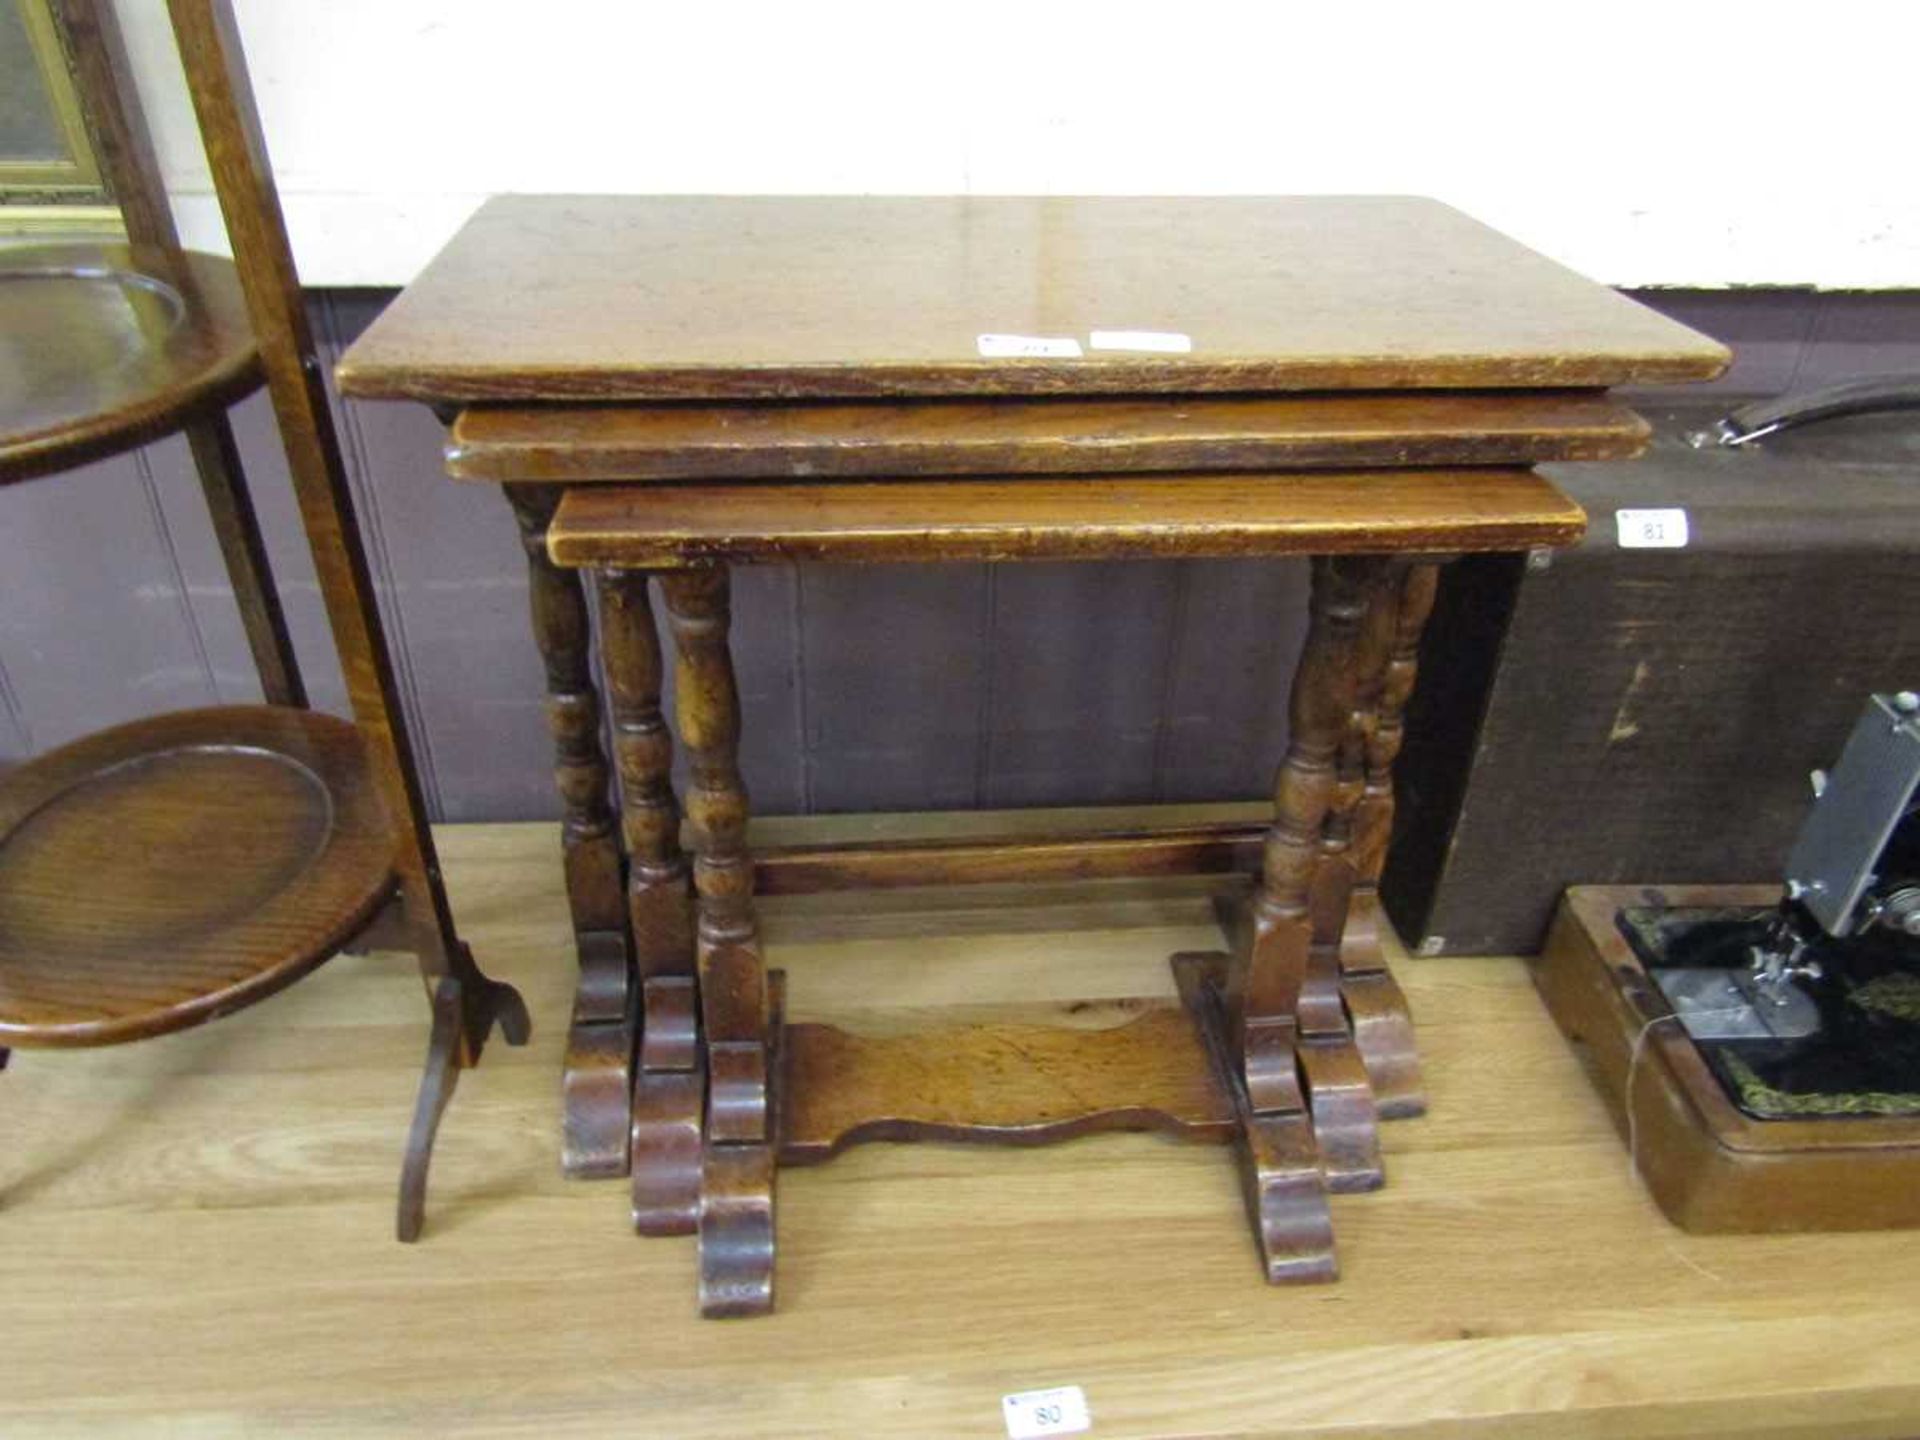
(668, 387)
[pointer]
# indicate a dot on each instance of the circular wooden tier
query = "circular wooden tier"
(162, 873)
(107, 346)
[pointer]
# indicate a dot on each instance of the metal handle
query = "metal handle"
(1850, 397)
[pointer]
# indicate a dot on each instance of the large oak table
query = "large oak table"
(669, 387)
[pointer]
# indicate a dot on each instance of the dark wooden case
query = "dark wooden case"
(1618, 713)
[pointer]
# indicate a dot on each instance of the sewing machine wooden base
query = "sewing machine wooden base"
(1711, 1166)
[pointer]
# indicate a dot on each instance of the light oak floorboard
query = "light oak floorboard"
(195, 1231)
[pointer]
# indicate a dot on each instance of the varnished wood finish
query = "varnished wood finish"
(560, 629)
(596, 1083)
(1408, 610)
(1376, 1014)
(737, 1180)
(1383, 1032)
(1206, 849)
(1340, 1094)
(598, 1074)
(1381, 1025)
(1053, 1075)
(707, 700)
(664, 1119)
(166, 872)
(1269, 974)
(589, 298)
(1711, 1166)
(116, 123)
(738, 1008)
(243, 550)
(1274, 1013)
(1281, 1179)
(117, 127)
(1110, 517)
(879, 439)
(659, 879)
(668, 1112)
(441, 1074)
(1512, 1281)
(230, 129)
(107, 346)
(1278, 992)
(571, 310)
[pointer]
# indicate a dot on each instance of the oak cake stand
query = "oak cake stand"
(162, 873)
(670, 387)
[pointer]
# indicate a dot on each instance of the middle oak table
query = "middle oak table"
(668, 388)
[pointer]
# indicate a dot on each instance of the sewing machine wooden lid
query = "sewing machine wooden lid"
(610, 298)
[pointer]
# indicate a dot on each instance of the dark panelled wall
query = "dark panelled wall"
(883, 688)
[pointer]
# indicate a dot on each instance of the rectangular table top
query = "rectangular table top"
(609, 298)
(574, 444)
(1062, 518)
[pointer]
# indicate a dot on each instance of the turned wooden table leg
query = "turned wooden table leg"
(1265, 978)
(597, 1076)
(736, 1000)
(1346, 1118)
(1382, 1026)
(669, 1082)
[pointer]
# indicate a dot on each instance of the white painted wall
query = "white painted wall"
(1670, 142)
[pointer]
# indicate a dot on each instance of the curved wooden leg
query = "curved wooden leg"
(1346, 1120)
(736, 1004)
(669, 1110)
(1285, 1201)
(452, 1044)
(1273, 990)
(597, 1074)
(736, 1231)
(668, 1091)
(736, 1201)
(1383, 1034)
(1340, 1096)
(1382, 1025)
(1280, 1171)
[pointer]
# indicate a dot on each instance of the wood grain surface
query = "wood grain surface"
(1712, 1166)
(1036, 1078)
(555, 297)
(195, 1229)
(164, 872)
(1007, 859)
(104, 346)
(1071, 517)
(574, 444)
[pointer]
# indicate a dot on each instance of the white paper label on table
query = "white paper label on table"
(1652, 529)
(1163, 342)
(1060, 1411)
(1041, 347)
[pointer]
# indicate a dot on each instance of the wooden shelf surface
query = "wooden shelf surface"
(104, 346)
(164, 872)
(1063, 518)
(574, 298)
(616, 443)
(198, 1228)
